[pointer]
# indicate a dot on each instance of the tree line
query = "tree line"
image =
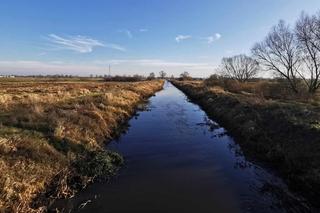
(291, 53)
(162, 75)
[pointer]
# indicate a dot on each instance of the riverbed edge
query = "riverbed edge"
(261, 136)
(76, 177)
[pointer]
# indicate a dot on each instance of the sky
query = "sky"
(82, 37)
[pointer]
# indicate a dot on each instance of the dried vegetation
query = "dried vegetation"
(282, 131)
(53, 133)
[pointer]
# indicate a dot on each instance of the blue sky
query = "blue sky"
(82, 37)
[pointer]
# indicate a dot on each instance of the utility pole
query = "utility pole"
(109, 70)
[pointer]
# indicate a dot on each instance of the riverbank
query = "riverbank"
(53, 134)
(286, 135)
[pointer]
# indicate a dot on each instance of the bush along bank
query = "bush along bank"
(53, 135)
(286, 135)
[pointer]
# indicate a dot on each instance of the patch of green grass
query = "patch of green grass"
(98, 163)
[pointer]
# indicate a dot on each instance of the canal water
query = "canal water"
(178, 160)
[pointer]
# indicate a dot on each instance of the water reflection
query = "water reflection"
(178, 160)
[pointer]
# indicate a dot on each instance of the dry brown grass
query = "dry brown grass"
(264, 88)
(282, 132)
(48, 126)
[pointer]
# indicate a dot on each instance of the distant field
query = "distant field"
(49, 79)
(53, 132)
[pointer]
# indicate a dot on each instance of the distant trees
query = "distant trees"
(239, 67)
(185, 75)
(151, 76)
(125, 78)
(162, 74)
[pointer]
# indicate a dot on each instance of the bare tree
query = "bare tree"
(151, 76)
(162, 74)
(239, 67)
(185, 75)
(308, 37)
(279, 53)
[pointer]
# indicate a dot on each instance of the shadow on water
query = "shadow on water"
(178, 160)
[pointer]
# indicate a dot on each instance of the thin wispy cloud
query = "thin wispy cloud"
(133, 66)
(42, 53)
(213, 38)
(49, 67)
(218, 35)
(98, 63)
(81, 44)
(180, 38)
(143, 30)
(153, 63)
(228, 52)
(115, 47)
(127, 33)
(25, 66)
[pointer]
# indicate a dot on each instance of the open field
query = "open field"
(284, 133)
(53, 133)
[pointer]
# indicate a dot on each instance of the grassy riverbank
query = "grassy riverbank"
(285, 134)
(53, 133)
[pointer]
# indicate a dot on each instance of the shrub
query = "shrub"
(229, 84)
(98, 163)
(213, 80)
(280, 89)
(119, 78)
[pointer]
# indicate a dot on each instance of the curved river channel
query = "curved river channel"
(178, 160)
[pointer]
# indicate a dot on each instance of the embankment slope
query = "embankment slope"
(285, 135)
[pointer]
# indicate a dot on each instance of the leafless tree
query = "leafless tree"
(279, 53)
(151, 76)
(162, 74)
(185, 75)
(307, 32)
(239, 67)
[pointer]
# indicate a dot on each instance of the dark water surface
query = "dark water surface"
(178, 160)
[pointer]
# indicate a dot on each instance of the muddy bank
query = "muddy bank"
(284, 135)
(53, 135)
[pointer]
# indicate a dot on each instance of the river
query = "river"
(178, 160)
